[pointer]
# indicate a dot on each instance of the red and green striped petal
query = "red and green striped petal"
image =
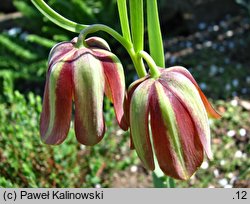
(127, 101)
(193, 151)
(114, 83)
(88, 82)
(188, 95)
(96, 42)
(166, 139)
(139, 115)
(210, 110)
(57, 102)
(59, 51)
(176, 142)
(130, 92)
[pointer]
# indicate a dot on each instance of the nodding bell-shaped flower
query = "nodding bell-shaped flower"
(83, 75)
(178, 114)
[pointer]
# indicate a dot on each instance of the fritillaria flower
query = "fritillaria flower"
(178, 114)
(81, 74)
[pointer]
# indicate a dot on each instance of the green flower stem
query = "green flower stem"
(138, 63)
(100, 27)
(77, 28)
(154, 70)
(123, 13)
(139, 66)
(57, 18)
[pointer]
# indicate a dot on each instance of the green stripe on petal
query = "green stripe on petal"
(56, 114)
(139, 115)
(191, 146)
(130, 92)
(54, 75)
(167, 115)
(187, 93)
(88, 80)
(209, 108)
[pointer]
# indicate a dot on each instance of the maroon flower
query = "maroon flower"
(83, 75)
(178, 114)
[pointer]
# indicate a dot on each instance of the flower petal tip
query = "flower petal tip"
(214, 115)
(97, 42)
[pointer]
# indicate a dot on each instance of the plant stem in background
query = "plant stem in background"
(154, 33)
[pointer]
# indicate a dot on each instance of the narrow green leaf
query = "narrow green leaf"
(17, 49)
(40, 40)
(25, 8)
(122, 7)
(137, 24)
(154, 33)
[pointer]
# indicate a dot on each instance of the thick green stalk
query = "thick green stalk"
(100, 27)
(57, 18)
(123, 14)
(154, 70)
(138, 63)
(137, 24)
(154, 33)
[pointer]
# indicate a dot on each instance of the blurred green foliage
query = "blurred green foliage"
(26, 162)
(245, 4)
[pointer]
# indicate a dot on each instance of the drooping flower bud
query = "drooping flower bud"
(83, 75)
(178, 114)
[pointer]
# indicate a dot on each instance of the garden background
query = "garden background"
(209, 37)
